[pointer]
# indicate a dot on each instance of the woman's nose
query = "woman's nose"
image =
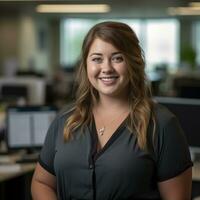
(107, 67)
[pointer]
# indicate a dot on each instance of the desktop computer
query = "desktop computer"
(26, 128)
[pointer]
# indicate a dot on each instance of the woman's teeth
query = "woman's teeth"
(108, 78)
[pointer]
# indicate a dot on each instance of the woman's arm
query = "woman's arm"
(43, 185)
(177, 188)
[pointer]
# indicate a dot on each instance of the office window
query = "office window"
(73, 32)
(162, 43)
(158, 38)
(196, 41)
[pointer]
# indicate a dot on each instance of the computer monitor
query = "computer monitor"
(35, 88)
(27, 126)
(14, 92)
(188, 113)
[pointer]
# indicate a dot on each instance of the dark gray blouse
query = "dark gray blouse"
(120, 170)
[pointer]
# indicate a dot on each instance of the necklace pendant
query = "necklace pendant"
(101, 131)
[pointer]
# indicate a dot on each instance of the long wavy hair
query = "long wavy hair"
(124, 39)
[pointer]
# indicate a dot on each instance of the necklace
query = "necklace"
(102, 130)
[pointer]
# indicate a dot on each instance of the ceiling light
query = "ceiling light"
(184, 10)
(73, 8)
(195, 4)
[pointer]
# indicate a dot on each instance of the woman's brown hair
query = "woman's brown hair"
(124, 39)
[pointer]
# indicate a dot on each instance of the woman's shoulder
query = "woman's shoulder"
(162, 114)
(64, 113)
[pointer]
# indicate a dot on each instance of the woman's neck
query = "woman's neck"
(111, 103)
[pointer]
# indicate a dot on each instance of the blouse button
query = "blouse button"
(91, 166)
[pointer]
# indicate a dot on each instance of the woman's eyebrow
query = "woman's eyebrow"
(118, 52)
(95, 54)
(100, 54)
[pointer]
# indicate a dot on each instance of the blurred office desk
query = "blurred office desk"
(196, 180)
(196, 171)
(16, 183)
(24, 169)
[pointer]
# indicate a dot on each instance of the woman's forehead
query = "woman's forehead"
(99, 45)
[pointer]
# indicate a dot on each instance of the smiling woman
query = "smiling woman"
(107, 70)
(115, 142)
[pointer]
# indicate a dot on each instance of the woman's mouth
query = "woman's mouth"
(108, 80)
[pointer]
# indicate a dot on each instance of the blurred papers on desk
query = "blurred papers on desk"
(9, 158)
(9, 168)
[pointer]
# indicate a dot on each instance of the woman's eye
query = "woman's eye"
(118, 59)
(97, 60)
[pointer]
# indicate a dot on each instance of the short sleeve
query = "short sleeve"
(173, 156)
(46, 158)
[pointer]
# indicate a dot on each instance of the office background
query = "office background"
(39, 52)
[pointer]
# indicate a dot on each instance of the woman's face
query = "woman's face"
(107, 69)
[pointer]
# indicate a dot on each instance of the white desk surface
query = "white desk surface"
(24, 169)
(196, 171)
